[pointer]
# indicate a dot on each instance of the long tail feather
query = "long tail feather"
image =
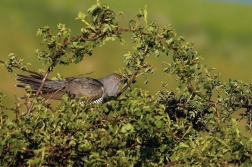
(51, 89)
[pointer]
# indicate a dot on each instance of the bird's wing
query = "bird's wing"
(88, 87)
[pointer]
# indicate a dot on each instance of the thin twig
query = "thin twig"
(23, 69)
(6, 108)
(40, 88)
(133, 77)
(171, 163)
(250, 121)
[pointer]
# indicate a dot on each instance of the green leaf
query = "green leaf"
(81, 16)
(127, 128)
(182, 145)
(159, 124)
(93, 8)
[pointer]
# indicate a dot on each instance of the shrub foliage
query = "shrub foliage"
(192, 126)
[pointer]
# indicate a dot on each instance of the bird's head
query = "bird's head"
(116, 77)
(111, 83)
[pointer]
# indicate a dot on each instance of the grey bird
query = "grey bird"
(97, 90)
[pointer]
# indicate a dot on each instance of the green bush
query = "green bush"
(192, 126)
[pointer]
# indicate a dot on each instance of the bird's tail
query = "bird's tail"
(50, 87)
(34, 81)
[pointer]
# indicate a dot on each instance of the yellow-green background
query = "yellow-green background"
(222, 33)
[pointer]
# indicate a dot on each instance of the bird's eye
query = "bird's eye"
(115, 78)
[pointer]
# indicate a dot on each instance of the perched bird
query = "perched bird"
(96, 90)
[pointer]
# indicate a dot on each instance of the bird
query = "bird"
(97, 90)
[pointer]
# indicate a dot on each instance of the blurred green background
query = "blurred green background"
(221, 31)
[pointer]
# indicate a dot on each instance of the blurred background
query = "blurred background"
(221, 31)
